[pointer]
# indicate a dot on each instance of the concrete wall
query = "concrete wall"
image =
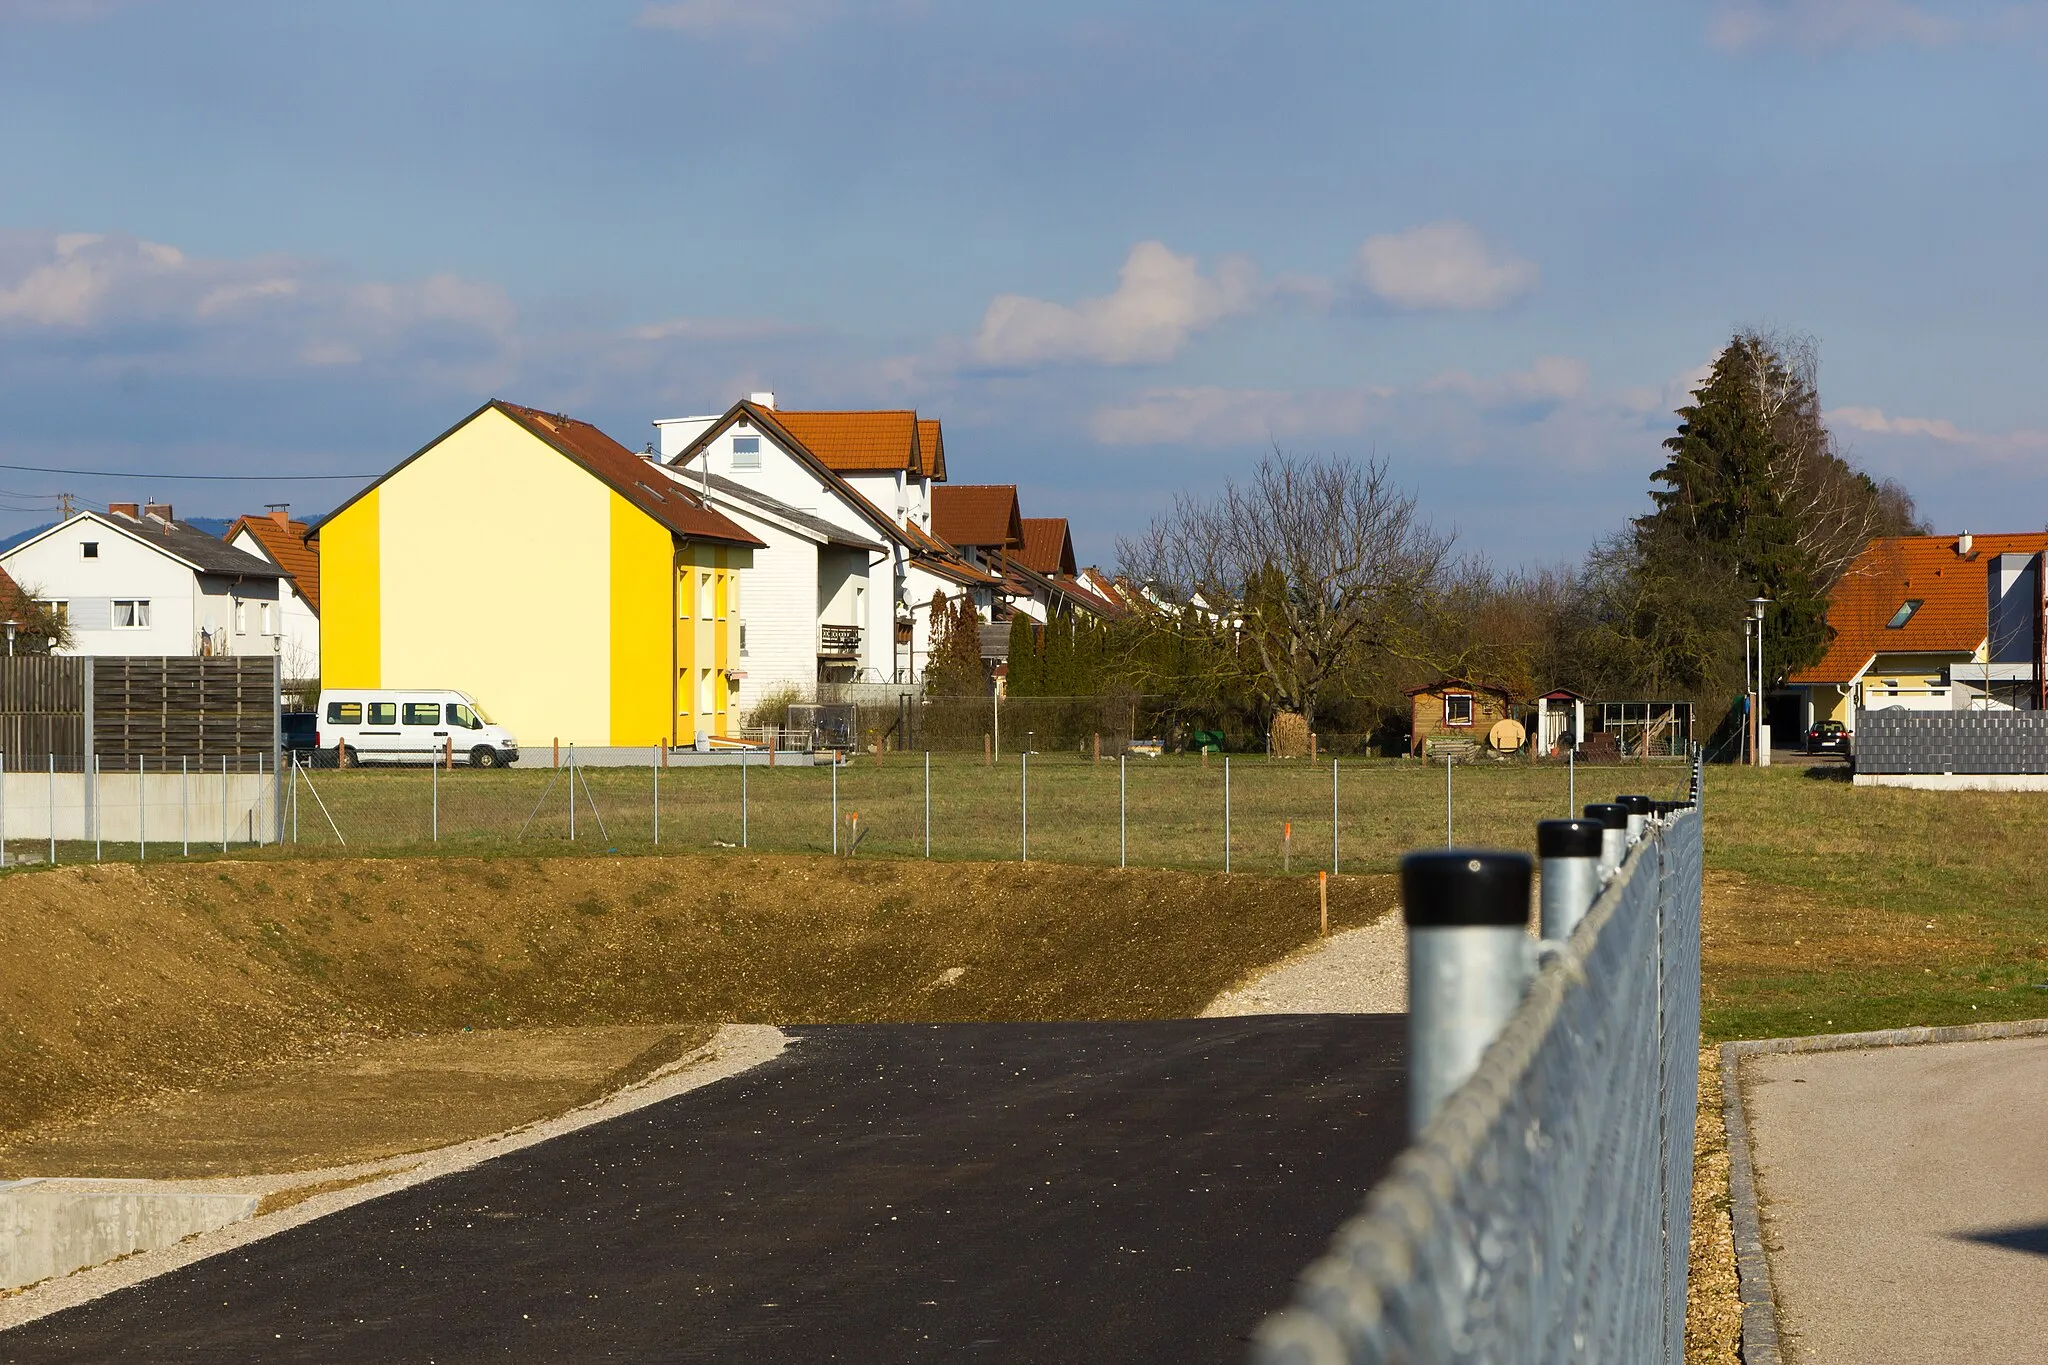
(53, 1227)
(125, 808)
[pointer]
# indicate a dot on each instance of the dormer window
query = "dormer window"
(746, 452)
(88, 549)
(1903, 614)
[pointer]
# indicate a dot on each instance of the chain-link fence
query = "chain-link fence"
(1543, 1215)
(61, 808)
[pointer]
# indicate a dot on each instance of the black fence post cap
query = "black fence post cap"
(1609, 814)
(1634, 805)
(1464, 887)
(1569, 838)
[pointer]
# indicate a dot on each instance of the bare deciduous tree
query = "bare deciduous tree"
(1296, 574)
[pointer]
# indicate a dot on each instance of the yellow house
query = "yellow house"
(573, 588)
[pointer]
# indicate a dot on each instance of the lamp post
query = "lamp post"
(12, 627)
(1758, 754)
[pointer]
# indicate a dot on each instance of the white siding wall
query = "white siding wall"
(779, 608)
(54, 568)
(295, 617)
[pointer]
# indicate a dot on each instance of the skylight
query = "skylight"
(1903, 614)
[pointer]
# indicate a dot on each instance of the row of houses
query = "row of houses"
(579, 589)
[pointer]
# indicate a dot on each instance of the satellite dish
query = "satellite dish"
(1506, 736)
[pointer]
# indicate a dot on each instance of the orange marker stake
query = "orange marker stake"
(1323, 889)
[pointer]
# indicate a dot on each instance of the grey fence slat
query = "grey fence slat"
(1963, 742)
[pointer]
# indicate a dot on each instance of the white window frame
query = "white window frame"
(88, 549)
(746, 452)
(138, 610)
(707, 597)
(266, 618)
(241, 616)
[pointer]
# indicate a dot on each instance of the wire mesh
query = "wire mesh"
(1543, 1216)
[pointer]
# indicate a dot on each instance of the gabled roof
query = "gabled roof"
(14, 603)
(931, 445)
(285, 542)
(978, 514)
(178, 540)
(857, 442)
(619, 469)
(1456, 685)
(754, 498)
(1953, 591)
(1048, 547)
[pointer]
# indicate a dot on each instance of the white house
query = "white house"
(136, 581)
(277, 538)
(843, 591)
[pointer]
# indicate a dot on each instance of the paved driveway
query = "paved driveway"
(1905, 1200)
(1019, 1192)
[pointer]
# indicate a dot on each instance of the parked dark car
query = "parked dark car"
(301, 733)
(1828, 737)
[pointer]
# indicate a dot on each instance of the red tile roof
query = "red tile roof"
(978, 514)
(1048, 547)
(630, 476)
(931, 448)
(285, 542)
(852, 442)
(1952, 590)
(13, 601)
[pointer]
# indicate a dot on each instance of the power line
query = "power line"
(194, 478)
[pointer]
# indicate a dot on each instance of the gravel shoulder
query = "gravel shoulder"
(1359, 971)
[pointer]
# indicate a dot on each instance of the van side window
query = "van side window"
(344, 713)
(458, 714)
(423, 713)
(383, 713)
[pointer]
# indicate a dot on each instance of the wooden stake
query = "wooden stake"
(1286, 845)
(448, 752)
(558, 751)
(987, 760)
(1323, 890)
(1098, 746)
(1311, 745)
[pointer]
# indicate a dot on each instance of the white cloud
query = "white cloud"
(1442, 265)
(1827, 25)
(708, 17)
(1161, 300)
(1547, 416)
(1987, 447)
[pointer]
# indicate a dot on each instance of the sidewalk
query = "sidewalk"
(1904, 1195)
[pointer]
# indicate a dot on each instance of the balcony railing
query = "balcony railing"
(839, 642)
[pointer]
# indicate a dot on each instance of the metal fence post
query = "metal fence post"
(1226, 812)
(1570, 863)
(927, 803)
(1333, 817)
(1468, 963)
(1025, 804)
(142, 807)
(654, 765)
(1638, 808)
(743, 798)
(223, 803)
(435, 819)
(572, 793)
(185, 803)
(53, 810)
(1571, 768)
(1447, 798)
(1123, 846)
(1613, 835)
(3, 810)
(835, 805)
(95, 776)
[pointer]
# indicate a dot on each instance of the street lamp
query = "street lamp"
(12, 626)
(1757, 755)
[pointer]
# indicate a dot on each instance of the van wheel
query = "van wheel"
(483, 756)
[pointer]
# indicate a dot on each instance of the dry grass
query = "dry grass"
(1713, 1304)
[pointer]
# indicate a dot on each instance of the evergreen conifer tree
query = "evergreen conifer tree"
(1026, 677)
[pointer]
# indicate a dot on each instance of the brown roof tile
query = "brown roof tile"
(285, 542)
(931, 449)
(630, 476)
(979, 514)
(1952, 590)
(850, 442)
(1048, 546)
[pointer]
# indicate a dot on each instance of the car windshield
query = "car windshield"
(458, 714)
(477, 711)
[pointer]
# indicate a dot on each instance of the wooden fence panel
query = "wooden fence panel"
(42, 707)
(139, 707)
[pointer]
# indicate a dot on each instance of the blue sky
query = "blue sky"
(1120, 248)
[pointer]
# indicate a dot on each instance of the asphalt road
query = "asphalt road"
(1005, 1192)
(1905, 1200)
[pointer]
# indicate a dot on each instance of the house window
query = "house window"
(746, 452)
(743, 639)
(60, 613)
(241, 617)
(266, 613)
(131, 613)
(422, 713)
(344, 713)
(1457, 708)
(88, 549)
(704, 701)
(1903, 614)
(383, 713)
(706, 606)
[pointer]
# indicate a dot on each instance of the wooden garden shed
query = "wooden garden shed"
(1454, 710)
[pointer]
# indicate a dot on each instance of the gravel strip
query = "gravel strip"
(1360, 971)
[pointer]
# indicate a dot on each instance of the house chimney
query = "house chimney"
(125, 509)
(280, 512)
(764, 399)
(1963, 544)
(160, 510)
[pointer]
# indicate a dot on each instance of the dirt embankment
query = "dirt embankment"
(122, 981)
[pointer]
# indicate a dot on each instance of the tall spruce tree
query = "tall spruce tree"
(1025, 678)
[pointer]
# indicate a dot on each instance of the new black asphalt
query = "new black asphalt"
(1003, 1192)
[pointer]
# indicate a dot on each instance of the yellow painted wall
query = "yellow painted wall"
(496, 576)
(351, 639)
(642, 595)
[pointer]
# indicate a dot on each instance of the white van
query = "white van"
(395, 726)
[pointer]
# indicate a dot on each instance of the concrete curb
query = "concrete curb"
(735, 1048)
(1752, 1265)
